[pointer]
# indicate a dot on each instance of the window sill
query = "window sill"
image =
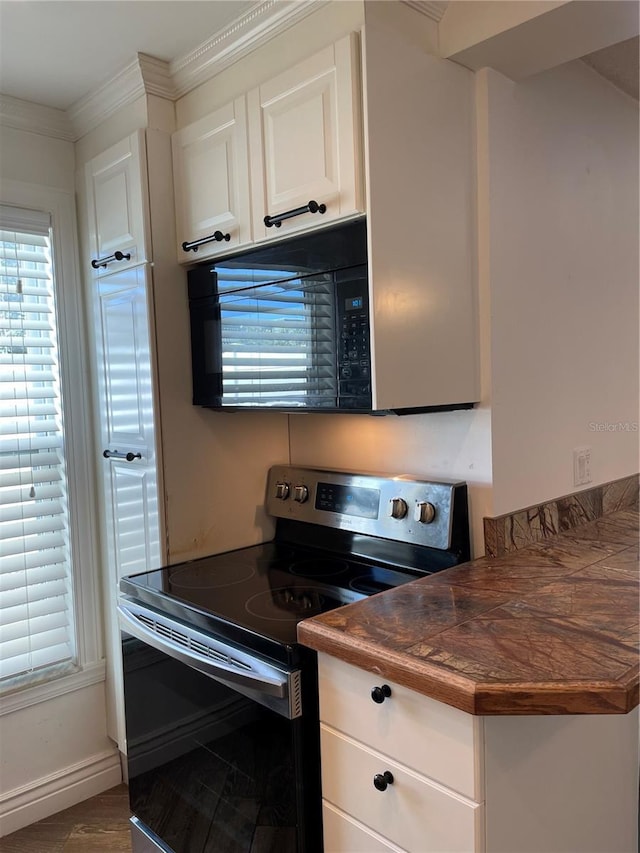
(91, 674)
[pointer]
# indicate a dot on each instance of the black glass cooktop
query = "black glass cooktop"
(256, 596)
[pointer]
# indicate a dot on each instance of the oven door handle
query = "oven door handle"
(248, 675)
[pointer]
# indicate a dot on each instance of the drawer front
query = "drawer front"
(432, 738)
(412, 813)
(342, 834)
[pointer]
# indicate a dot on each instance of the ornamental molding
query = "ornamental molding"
(429, 8)
(261, 23)
(147, 75)
(172, 80)
(95, 107)
(35, 118)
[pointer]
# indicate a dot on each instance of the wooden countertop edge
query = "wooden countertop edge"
(473, 697)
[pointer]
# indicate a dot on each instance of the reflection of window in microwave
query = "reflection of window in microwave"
(278, 339)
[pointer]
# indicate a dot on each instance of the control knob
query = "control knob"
(424, 512)
(398, 508)
(282, 491)
(300, 494)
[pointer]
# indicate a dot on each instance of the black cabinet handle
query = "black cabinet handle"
(115, 454)
(379, 694)
(117, 256)
(382, 780)
(216, 237)
(278, 218)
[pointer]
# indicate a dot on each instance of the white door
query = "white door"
(132, 513)
(211, 183)
(127, 422)
(304, 139)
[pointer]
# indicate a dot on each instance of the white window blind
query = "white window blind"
(36, 618)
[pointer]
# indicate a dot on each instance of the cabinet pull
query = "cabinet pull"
(382, 780)
(216, 237)
(117, 256)
(379, 694)
(115, 454)
(278, 218)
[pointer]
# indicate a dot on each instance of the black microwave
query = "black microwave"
(286, 326)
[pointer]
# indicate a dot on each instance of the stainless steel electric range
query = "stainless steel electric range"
(221, 701)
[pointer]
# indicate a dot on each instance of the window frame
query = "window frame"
(78, 441)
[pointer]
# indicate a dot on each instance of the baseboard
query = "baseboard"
(51, 794)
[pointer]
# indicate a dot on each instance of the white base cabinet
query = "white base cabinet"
(504, 784)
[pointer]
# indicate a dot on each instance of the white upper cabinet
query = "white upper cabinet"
(116, 186)
(211, 175)
(304, 131)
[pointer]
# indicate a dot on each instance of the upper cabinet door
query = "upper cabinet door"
(116, 186)
(211, 179)
(304, 135)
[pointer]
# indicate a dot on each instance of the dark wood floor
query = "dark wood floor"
(99, 825)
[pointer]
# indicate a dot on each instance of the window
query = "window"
(36, 589)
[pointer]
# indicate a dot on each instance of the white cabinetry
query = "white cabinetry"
(211, 175)
(304, 128)
(503, 784)
(432, 802)
(126, 400)
(116, 188)
(291, 140)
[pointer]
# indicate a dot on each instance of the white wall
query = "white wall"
(562, 183)
(35, 159)
(54, 754)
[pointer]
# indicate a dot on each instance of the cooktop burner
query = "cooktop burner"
(288, 603)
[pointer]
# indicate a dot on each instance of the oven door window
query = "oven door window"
(209, 770)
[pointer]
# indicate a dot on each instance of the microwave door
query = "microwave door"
(278, 345)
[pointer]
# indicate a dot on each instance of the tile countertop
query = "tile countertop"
(550, 629)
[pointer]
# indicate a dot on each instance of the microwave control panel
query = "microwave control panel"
(354, 343)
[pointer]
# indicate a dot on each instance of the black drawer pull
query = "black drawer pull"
(379, 694)
(382, 780)
(278, 218)
(117, 256)
(216, 237)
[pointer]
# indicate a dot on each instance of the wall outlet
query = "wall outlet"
(581, 466)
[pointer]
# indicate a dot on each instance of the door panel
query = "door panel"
(132, 522)
(210, 165)
(115, 184)
(304, 133)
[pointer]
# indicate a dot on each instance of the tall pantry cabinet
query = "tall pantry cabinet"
(126, 410)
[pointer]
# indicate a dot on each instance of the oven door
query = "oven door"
(212, 766)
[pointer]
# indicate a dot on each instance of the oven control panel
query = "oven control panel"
(402, 508)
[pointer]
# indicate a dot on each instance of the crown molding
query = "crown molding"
(124, 87)
(148, 75)
(35, 118)
(433, 9)
(257, 26)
